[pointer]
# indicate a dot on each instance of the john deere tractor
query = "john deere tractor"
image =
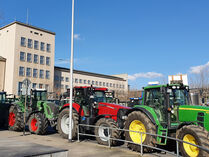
(166, 110)
(40, 113)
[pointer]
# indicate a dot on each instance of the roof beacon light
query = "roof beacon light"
(153, 83)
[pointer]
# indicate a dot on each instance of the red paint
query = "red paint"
(95, 88)
(76, 107)
(11, 119)
(33, 124)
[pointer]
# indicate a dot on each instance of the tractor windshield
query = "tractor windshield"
(41, 95)
(179, 97)
(99, 96)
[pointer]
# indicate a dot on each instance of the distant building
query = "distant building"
(117, 83)
(29, 52)
(2, 70)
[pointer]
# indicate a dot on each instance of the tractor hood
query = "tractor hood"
(196, 114)
(113, 106)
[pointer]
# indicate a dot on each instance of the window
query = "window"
(97, 83)
(47, 87)
(110, 84)
(40, 85)
(41, 59)
(30, 43)
(28, 72)
(62, 86)
(100, 83)
(104, 84)
(120, 86)
(84, 81)
(76, 80)
(42, 46)
(35, 73)
(21, 71)
(67, 79)
(62, 78)
(47, 60)
(34, 85)
(19, 87)
(36, 43)
(89, 82)
(22, 56)
(56, 78)
(23, 41)
(93, 82)
(35, 58)
(29, 57)
(116, 85)
(80, 80)
(48, 47)
(47, 74)
(41, 74)
(113, 85)
(107, 84)
(66, 86)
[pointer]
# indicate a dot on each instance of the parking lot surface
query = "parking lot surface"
(84, 148)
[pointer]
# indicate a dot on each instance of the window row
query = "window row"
(30, 44)
(36, 59)
(29, 71)
(89, 82)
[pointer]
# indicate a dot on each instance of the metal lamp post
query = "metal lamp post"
(71, 75)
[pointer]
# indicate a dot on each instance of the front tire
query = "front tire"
(102, 133)
(196, 135)
(15, 119)
(38, 124)
(138, 121)
(63, 123)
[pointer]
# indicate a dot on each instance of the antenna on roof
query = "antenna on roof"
(27, 17)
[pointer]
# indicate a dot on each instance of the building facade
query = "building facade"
(117, 83)
(29, 53)
(2, 69)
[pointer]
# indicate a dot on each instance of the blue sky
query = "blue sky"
(148, 39)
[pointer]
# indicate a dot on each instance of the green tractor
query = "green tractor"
(166, 110)
(39, 112)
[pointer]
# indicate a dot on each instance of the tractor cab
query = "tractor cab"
(39, 94)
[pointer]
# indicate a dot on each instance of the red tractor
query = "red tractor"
(90, 107)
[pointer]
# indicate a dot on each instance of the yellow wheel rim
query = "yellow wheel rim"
(192, 151)
(137, 125)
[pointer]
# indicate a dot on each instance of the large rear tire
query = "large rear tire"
(15, 119)
(38, 124)
(138, 121)
(63, 123)
(102, 132)
(196, 135)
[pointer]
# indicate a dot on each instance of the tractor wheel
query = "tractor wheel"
(15, 119)
(138, 121)
(196, 135)
(38, 123)
(63, 123)
(102, 133)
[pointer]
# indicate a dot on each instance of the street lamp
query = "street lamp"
(71, 76)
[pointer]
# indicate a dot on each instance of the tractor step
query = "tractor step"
(162, 140)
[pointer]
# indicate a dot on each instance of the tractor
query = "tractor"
(39, 112)
(166, 110)
(90, 107)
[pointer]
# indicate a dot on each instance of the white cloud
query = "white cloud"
(144, 75)
(62, 61)
(77, 36)
(199, 68)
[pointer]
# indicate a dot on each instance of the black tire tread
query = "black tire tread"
(75, 118)
(149, 127)
(115, 133)
(19, 122)
(200, 132)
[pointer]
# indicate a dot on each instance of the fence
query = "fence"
(109, 138)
